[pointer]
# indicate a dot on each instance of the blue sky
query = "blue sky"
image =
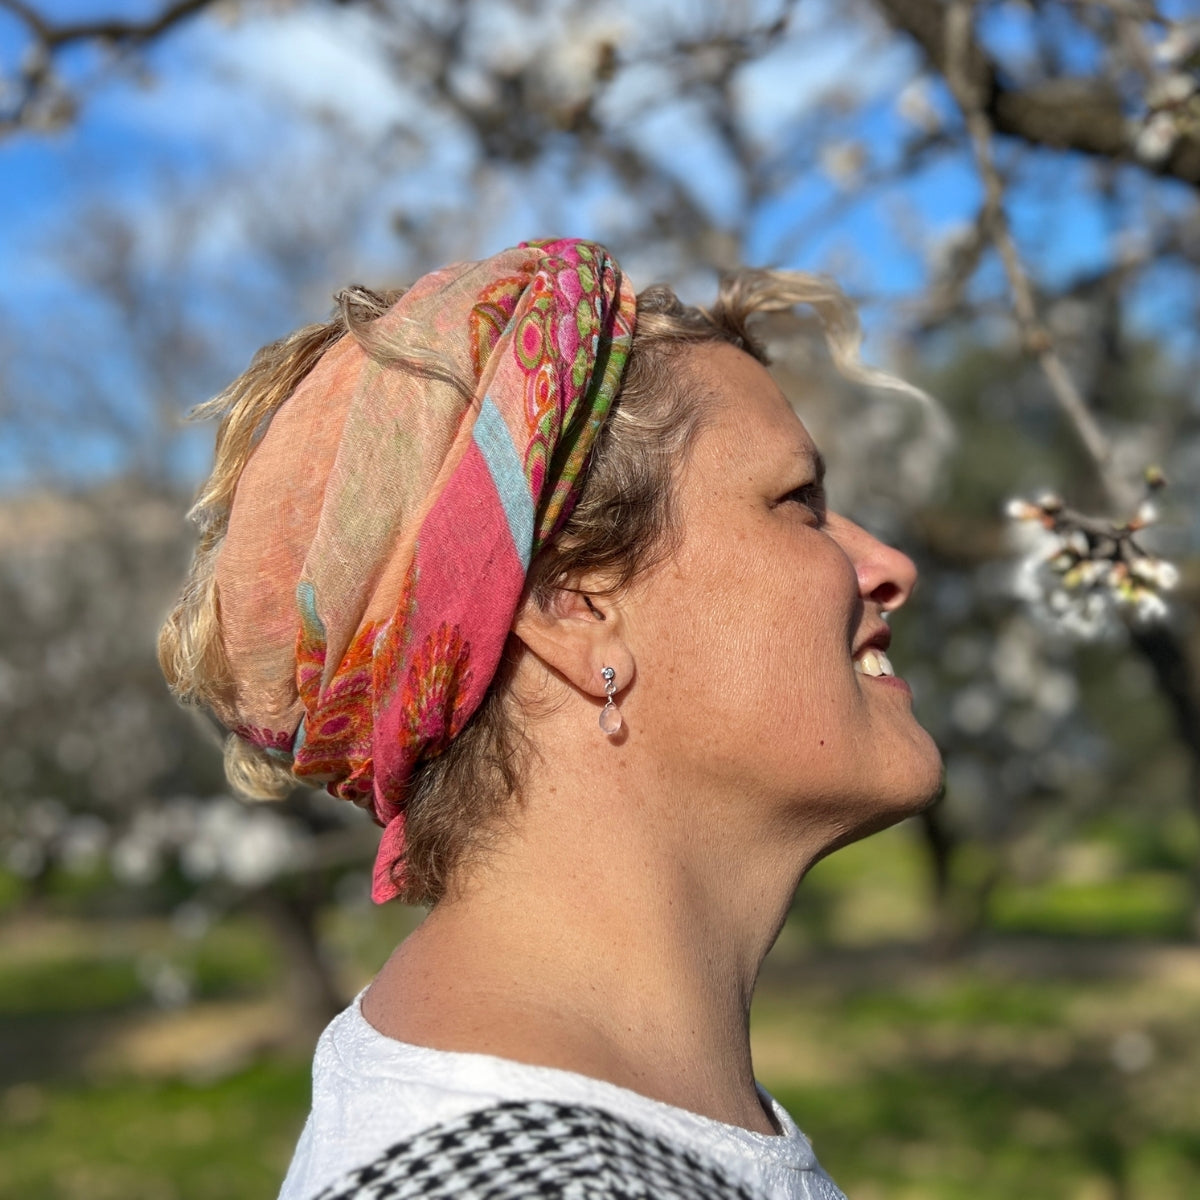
(235, 101)
(212, 151)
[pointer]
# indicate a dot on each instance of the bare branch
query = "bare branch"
(958, 57)
(39, 98)
(52, 36)
(1137, 10)
(1085, 115)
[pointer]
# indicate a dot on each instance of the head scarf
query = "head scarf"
(382, 528)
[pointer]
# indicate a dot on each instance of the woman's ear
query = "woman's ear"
(576, 634)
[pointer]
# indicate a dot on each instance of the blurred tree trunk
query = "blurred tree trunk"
(291, 910)
(945, 938)
(1167, 655)
(959, 900)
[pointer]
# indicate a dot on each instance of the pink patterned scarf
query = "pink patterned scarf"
(382, 528)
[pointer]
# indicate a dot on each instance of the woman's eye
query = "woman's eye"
(811, 496)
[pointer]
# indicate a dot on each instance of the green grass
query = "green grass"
(70, 985)
(963, 1002)
(1137, 904)
(232, 959)
(993, 1077)
(93, 967)
(963, 1083)
(957, 1134)
(140, 1140)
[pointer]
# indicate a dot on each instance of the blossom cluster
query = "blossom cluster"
(1173, 98)
(1084, 572)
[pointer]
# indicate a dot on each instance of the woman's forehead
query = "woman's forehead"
(749, 413)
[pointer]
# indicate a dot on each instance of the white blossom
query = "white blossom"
(1179, 45)
(1081, 574)
(1021, 510)
(915, 105)
(1156, 137)
(1147, 512)
(136, 859)
(246, 845)
(1149, 607)
(1171, 89)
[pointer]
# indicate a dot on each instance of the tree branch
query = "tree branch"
(38, 97)
(959, 57)
(1085, 115)
(51, 36)
(1161, 646)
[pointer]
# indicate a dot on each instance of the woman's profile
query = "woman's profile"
(540, 573)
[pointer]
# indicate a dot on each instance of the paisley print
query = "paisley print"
(407, 527)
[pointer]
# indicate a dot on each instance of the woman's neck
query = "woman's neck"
(590, 943)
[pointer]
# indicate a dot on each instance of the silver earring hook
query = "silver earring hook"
(610, 714)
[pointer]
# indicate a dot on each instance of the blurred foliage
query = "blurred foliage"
(143, 1140)
(1056, 1063)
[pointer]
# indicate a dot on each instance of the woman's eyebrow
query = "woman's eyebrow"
(814, 458)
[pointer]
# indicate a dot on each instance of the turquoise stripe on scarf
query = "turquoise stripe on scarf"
(496, 445)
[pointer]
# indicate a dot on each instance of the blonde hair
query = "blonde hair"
(622, 524)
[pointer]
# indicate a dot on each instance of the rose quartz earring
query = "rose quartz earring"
(610, 714)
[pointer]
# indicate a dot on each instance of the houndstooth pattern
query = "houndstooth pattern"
(536, 1148)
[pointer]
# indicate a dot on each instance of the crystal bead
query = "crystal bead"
(610, 718)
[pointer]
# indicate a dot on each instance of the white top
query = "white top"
(371, 1091)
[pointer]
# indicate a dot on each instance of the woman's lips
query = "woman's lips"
(891, 681)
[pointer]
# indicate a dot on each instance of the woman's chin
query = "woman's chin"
(912, 786)
(933, 774)
(913, 777)
(926, 782)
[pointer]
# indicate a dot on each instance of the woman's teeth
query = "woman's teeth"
(873, 662)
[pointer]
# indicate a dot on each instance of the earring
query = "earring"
(610, 714)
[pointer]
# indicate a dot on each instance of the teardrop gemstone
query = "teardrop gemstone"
(610, 718)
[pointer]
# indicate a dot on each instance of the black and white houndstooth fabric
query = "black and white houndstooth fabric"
(536, 1148)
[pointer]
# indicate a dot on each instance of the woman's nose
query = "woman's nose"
(885, 574)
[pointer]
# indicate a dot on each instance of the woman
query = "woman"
(542, 575)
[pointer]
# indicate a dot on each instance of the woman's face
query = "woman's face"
(759, 646)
